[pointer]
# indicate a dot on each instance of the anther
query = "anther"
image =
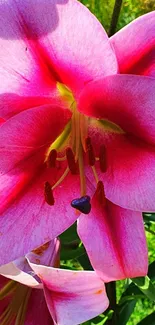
(100, 194)
(71, 161)
(82, 204)
(48, 193)
(89, 148)
(51, 161)
(103, 159)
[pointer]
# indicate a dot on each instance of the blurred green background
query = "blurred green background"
(130, 10)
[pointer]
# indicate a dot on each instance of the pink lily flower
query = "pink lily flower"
(52, 55)
(43, 294)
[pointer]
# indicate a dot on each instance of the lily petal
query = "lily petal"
(130, 177)
(35, 222)
(134, 46)
(42, 43)
(13, 272)
(72, 296)
(125, 100)
(114, 239)
(24, 140)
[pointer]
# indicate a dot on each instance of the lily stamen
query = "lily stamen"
(51, 161)
(71, 161)
(100, 194)
(89, 148)
(48, 193)
(103, 159)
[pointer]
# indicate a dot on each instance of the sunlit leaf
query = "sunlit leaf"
(146, 286)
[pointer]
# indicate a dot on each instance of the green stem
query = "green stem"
(115, 16)
(111, 293)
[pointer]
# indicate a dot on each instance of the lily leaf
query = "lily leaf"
(146, 286)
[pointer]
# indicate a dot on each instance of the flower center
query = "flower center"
(16, 308)
(72, 145)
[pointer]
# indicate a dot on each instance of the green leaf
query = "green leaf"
(69, 235)
(151, 272)
(149, 216)
(124, 312)
(149, 320)
(84, 261)
(68, 253)
(146, 286)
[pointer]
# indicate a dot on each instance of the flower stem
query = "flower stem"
(115, 16)
(111, 293)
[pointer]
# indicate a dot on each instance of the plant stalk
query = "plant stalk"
(115, 16)
(111, 293)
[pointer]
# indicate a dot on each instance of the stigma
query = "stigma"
(82, 204)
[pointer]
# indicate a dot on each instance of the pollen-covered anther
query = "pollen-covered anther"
(90, 151)
(48, 193)
(100, 194)
(51, 160)
(103, 159)
(71, 161)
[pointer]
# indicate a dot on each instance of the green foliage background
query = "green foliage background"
(130, 10)
(138, 305)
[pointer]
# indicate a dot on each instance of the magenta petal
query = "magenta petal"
(115, 241)
(35, 222)
(72, 296)
(130, 177)
(42, 42)
(126, 100)
(24, 140)
(134, 46)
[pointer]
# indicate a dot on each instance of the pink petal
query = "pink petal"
(72, 296)
(130, 177)
(24, 212)
(42, 42)
(115, 241)
(20, 270)
(125, 100)
(134, 46)
(32, 220)
(48, 254)
(24, 140)
(13, 272)
(37, 312)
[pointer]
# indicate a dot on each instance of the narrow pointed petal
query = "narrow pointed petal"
(72, 296)
(125, 100)
(115, 241)
(134, 46)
